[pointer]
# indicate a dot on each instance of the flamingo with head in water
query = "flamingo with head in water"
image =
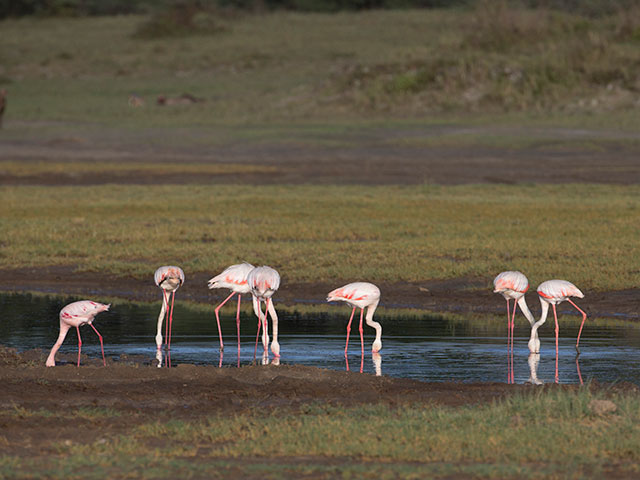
(169, 278)
(264, 282)
(512, 285)
(553, 292)
(77, 314)
(360, 295)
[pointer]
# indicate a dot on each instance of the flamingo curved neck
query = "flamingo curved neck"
(525, 310)
(534, 341)
(374, 324)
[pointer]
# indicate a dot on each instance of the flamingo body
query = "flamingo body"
(75, 315)
(264, 283)
(557, 291)
(233, 278)
(360, 295)
(511, 284)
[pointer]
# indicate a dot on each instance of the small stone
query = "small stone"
(602, 407)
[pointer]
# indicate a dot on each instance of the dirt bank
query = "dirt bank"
(457, 295)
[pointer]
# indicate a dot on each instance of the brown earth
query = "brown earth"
(368, 156)
(456, 295)
(143, 393)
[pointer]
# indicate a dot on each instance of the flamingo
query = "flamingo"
(360, 295)
(168, 278)
(512, 285)
(233, 278)
(264, 282)
(554, 292)
(77, 314)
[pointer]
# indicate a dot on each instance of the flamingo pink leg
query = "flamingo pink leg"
(555, 316)
(265, 326)
(349, 333)
(238, 327)
(584, 317)
(217, 310)
(104, 362)
(165, 295)
(79, 344)
(578, 367)
(513, 323)
(255, 350)
(173, 295)
(508, 340)
(508, 324)
(361, 341)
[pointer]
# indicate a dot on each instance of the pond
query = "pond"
(427, 348)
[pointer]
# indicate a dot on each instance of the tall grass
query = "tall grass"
(584, 233)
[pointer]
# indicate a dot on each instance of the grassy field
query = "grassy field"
(549, 434)
(387, 234)
(336, 68)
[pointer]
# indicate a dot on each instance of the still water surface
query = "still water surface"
(425, 348)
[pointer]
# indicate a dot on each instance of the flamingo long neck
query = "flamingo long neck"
(163, 311)
(372, 323)
(51, 359)
(525, 309)
(543, 318)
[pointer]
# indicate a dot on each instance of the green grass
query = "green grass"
(549, 433)
(292, 67)
(584, 233)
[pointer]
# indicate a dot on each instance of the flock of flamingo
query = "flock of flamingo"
(263, 282)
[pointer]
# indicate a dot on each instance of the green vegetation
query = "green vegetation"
(587, 233)
(293, 67)
(547, 433)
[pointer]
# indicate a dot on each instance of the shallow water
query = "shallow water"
(426, 348)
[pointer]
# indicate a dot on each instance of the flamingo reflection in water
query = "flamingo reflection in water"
(534, 362)
(377, 363)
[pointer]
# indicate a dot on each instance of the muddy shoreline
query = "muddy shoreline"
(464, 295)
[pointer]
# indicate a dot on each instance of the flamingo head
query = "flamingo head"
(376, 346)
(534, 345)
